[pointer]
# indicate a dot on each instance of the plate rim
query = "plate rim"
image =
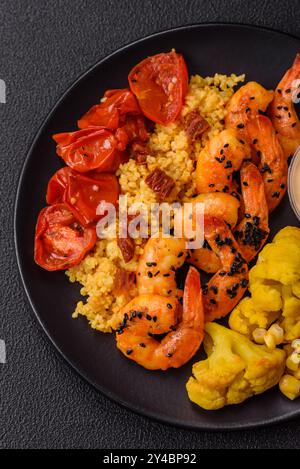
(175, 422)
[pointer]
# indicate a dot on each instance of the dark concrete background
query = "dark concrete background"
(45, 46)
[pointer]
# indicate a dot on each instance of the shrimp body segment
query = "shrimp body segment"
(219, 205)
(148, 315)
(253, 230)
(282, 110)
(246, 103)
(273, 164)
(227, 286)
(222, 155)
(158, 264)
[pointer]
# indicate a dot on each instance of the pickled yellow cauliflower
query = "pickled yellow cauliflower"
(235, 369)
(274, 284)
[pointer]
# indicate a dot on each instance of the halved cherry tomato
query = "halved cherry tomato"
(82, 193)
(107, 114)
(160, 84)
(88, 149)
(60, 240)
(133, 130)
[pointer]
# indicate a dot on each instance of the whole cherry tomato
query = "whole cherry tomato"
(88, 149)
(115, 104)
(160, 84)
(60, 240)
(82, 193)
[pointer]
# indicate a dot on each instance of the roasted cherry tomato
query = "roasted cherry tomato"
(88, 149)
(82, 193)
(115, 104)
(160, 84)
(133, 130)
(60, 240)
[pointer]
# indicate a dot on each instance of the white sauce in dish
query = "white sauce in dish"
(294, 183)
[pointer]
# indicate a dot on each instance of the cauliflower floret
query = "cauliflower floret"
(246, 317)
(235, 369)
(274, 284)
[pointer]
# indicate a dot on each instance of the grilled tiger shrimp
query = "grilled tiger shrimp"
(253, 230)
(149, 315)
(219, 205)
(273, 164)
(246, 103)
(227, 286)
(282, 110)
(222, 155)
(158, 264)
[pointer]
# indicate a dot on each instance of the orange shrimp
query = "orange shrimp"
(149, 315)
(222, 155)
(282, 110)
(158, 264)
(273, 164)
(253, 230)
(219, 205)
(246, 103)
(227, 286)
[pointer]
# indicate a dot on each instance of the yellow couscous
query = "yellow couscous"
(170, 150)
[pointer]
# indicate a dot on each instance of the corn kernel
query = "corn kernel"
(295, 373)
(291, 364)
(259, 335)
(277, 332)
(290, 386)
(296, 345)
(270, 340)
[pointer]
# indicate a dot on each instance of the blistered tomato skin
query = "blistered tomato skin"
(60, 240)
(82, 193)
(88, 149)
(160, 84)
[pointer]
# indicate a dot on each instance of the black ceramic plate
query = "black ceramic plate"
(263, 55)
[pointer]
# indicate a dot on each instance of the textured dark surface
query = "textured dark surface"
(45, 46)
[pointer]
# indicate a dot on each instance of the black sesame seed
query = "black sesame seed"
(294, 124)
(150, 274)
(282, 186)
(226, 145)
(256, 220)
(288, 90)
(211, 185)
(255, 141)
(279, 91)
(154, 318)
(240, 126)
(244, 283)
(228, 164)
(166, 275)
(245, 183)
(212, 301)
(180, 254)
(258, 153)
(222, 273)
(169, 355)
(276, 195)
(129, 351)
(214, 289)
(169, 306)
(142, 345)
(148, 317)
